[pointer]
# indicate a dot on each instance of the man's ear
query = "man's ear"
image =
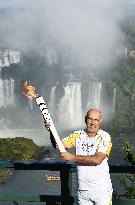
(86, 119)
(101, 121)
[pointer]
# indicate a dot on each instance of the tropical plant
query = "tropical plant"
(128, 180)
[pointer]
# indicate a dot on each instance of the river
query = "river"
(34, 182)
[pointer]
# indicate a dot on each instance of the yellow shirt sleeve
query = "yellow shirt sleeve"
(105, 145)
(69, 142)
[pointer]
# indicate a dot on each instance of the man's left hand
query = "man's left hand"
(67, 156)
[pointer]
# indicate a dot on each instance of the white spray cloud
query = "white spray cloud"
(88, 29)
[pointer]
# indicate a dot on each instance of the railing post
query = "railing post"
(15, 203)
(66, 185)
(51, 203)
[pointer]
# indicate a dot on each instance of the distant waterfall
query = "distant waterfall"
(114, 98)
(8, 57)
(94, 95)
(52, 101)
(70, 106)
(6, 92)
(30, 103)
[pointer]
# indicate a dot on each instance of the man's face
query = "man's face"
(93, 121)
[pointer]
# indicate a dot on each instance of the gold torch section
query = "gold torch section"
(30, 91)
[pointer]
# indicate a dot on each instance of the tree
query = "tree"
(128, 180)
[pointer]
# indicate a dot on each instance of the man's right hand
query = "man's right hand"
(47, 125)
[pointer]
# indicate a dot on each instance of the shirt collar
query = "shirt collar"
(98, 132)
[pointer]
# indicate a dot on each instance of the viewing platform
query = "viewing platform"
(66, 169)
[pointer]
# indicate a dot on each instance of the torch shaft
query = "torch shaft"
(43, 108)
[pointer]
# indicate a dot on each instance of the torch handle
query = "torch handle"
(43, 108)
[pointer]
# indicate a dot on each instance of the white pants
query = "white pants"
(86, 198)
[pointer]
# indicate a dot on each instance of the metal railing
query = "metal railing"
(65, 170)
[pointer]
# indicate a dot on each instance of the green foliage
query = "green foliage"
(128, 180)
(124, 77)
(5, 175)
(19, 149)
(129, 153)
(122, 122)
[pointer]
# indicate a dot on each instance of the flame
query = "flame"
(31, 91)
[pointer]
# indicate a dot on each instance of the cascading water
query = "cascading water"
(30, 103)
(1, 93)
(8, 57)
(70, 109)
(6, 92)
(7, 97)
(114, 98)
(52, 101)
(94, 95)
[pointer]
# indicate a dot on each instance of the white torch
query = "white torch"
(43, 108)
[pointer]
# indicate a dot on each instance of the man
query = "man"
(93, 146)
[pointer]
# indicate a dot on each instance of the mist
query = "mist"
(87, 33)
(88, 30)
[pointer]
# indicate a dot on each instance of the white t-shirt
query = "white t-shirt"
(90, 176)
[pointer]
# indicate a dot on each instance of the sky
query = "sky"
(19, 3)
(91, 26)
(9, 3)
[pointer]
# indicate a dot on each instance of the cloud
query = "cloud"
(89, 30)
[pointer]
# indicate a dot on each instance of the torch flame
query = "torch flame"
(31, 91)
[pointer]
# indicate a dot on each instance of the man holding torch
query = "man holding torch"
(93, 146)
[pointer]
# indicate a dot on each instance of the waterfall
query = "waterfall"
(8, 57)
(6, 92)
(30, 103)
(67, 110)
(70, 106)
(94, 94)
(52, 102)
(114, 98)
(1, 93)
(6, 99)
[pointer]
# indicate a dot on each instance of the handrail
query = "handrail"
(19, 165)
(66, 169)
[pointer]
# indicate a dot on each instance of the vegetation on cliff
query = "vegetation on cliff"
(124, 78)
(18, 149)
(128, 180)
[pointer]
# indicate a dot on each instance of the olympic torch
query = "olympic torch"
(32, 94)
